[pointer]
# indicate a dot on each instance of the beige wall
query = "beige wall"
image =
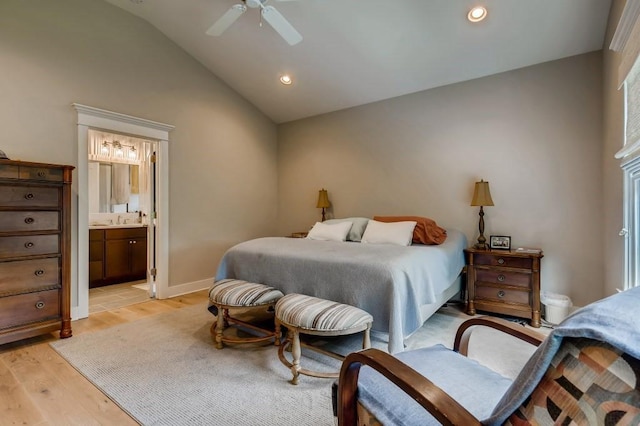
(613, 123)
(223, 165)
(534, 133)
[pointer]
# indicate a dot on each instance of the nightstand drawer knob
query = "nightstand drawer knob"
(501, 277)
(29, 196)
(39, 305)
(29, 220)
(500, 294)
(29, 244)
(39, 272)
(500, 261)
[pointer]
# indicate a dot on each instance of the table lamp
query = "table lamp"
(323, 201)
(481, 197)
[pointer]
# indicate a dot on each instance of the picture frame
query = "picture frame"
(500, 242)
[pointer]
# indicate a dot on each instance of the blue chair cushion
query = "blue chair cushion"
(475, 387)
(240, 293)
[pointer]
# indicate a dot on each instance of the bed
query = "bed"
(399, 286)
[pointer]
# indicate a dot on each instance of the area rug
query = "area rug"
(165, 370)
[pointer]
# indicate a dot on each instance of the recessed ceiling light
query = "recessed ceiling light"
(285, 79)
(477, 14)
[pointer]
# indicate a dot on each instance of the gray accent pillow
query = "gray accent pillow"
(357, 229)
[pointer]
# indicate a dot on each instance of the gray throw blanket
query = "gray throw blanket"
(615, 320)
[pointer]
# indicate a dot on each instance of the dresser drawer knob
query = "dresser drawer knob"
(29, 196)
(29, 244)
(39, 305)
(29, 220)
(500, 261)
(39, 272)
(501, 277)
(500, 294)
(41, 173)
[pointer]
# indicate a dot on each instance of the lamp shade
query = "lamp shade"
(482, 195)
(323, 199)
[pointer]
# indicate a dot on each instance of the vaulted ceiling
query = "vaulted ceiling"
(355, 52)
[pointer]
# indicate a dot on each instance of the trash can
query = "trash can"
(556, 306)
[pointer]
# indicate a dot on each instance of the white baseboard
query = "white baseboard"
(180, 289)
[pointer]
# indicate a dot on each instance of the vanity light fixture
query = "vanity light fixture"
(105, 147)
(477, 14)
(286, 80)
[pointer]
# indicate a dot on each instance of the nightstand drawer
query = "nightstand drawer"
(502, 294)
(498, 260)
(496, 276)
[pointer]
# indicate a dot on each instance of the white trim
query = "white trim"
(179, 290)
(627, 20)
(90, 117)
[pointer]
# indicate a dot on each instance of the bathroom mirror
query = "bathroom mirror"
(113, 187)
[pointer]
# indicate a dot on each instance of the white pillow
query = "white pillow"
(329, 232)
(357, 228)
(400, 233)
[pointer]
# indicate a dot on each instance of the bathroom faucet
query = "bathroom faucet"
(119, 223)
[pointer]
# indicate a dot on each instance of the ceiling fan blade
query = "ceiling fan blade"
(281, 25)
(227, 19)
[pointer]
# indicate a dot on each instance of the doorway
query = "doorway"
(94, 119)
(121, 184)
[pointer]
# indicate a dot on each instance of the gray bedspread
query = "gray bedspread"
(388, 281)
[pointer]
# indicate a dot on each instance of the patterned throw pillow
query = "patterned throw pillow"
(587, 383)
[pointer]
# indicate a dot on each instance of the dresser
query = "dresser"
(35, 243)
(504, 282)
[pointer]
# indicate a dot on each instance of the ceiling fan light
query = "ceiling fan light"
(477, 14)
(286, 80)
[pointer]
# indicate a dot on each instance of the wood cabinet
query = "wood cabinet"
(117, 255)
(35, 245)
(504, 282)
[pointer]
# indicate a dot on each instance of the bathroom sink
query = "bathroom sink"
(100, 225)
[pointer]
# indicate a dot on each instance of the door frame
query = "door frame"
(100, 119)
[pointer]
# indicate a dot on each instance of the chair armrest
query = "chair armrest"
(437, 402)
(463, 334)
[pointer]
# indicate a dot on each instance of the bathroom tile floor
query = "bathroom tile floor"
(116, 296)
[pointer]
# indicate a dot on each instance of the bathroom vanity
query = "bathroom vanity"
(117, 254)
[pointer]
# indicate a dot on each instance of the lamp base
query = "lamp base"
(479, 246)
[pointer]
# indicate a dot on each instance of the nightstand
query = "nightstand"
(299, 234)
(504, 282)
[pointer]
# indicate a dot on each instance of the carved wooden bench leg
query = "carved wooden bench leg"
(220, 323)
(296, 352)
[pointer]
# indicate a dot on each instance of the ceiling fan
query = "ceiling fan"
(269, 13)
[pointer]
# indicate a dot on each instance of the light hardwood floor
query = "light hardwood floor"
(38, 387)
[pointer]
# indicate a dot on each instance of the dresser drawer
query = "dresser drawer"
(18, 221)
(29, 308)
(28, 275)
(496, 276)
(29, 196)
(497, 260)
(502, 294)
(41, 173)
(9, 171)
(31, 245)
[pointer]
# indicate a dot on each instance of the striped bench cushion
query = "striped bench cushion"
(232, 292)
(317, 314)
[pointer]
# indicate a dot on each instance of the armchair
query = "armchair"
(587, 371)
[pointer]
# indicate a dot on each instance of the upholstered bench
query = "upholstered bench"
(230, 293)
(319, 317)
